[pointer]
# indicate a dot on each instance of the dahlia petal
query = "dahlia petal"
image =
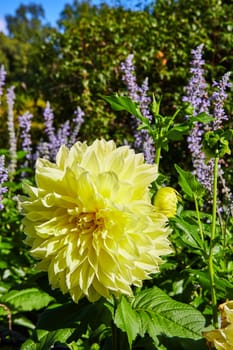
(61, 157)
(107, 184)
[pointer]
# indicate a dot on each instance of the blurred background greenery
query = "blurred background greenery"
(78, 61)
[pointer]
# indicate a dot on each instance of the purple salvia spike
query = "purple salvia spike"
(196, 95)
(49, 128)
(43, 150)
(78, 121)
(11, 130)
(63, 134)
(145, 100)
(25, 124)
(129, 78)
(2, 80)
(218, 98)
(3, 179)
(143, 142)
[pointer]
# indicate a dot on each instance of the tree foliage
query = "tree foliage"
(80, 60)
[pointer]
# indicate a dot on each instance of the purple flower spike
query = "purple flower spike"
(10, 97)
(65, 135)
(78, 121)
(218, 98)
(2, 80)
(143, 142)
(25, 124)
(49, 128)
(197, 96)
(3, 179)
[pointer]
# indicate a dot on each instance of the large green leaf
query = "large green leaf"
(27, 299)
(160, 314)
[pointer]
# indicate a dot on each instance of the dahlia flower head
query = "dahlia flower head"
(90, 221)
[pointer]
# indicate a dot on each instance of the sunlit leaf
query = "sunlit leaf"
(160, 314)
(27, 299)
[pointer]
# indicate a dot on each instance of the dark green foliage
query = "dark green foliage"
(76, 64)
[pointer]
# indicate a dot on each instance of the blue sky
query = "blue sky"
(52, 8)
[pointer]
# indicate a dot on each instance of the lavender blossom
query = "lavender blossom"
(2, 80)
(11, 130)
(64, 135)
(3, 179)
(145, 100)
(196, 95)
(49, 128)
(43, 150)
(129, 78)
(25, 125)
(143, 142)
(218, 98)
(50, 131)
(78, 121)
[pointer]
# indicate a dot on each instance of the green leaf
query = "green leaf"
(201, 118)
(221, 284)
(127, 320)
(160, 314)
(177, 132)
(29, 345)
(24, 322)
(189, 233)
(27, 299)
(189, 184)
(124, 103)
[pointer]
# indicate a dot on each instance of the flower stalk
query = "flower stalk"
(157, 156)
(198, 217)
(211, 249)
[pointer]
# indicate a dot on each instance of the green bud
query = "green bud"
(155, 106)
(216, 143)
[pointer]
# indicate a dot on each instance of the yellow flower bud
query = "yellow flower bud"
(165, 201)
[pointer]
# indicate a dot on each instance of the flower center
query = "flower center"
(89, 223)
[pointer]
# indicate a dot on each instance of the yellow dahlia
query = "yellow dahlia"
(90, 220)
(166, 200)
(222, 339)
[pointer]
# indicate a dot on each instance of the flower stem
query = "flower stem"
(157, 156)
(198, 217)
(211, 249)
